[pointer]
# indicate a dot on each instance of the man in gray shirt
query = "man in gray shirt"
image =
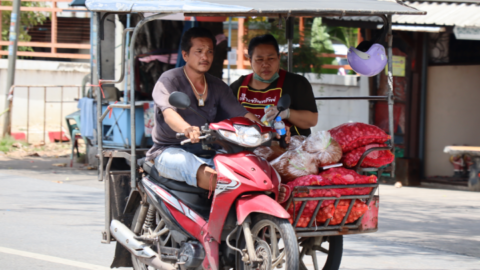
(209, 95)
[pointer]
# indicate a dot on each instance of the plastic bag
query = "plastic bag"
(354, 135)
(374, 159)
(294, 164)
(269, 153)
(359, 208)
(327, 151)
(296, 141)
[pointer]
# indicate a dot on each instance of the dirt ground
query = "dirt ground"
(47, 162)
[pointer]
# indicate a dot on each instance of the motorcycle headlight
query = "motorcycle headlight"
(247, 136)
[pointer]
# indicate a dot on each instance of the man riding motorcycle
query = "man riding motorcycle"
(211, 97)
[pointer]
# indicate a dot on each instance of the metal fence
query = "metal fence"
(45, 89)
(62, 35)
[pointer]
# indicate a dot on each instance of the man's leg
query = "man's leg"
(180, 165)
(206, 178)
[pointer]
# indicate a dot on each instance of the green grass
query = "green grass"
(6, 143)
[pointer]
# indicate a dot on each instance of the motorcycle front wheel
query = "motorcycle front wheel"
(276, 237)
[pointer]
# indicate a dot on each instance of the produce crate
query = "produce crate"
(365, 224)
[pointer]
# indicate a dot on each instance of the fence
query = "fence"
(62, 35)
(45, 89)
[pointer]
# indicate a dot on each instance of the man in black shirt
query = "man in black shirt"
(268, 83)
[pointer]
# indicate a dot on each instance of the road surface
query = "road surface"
(53, 219)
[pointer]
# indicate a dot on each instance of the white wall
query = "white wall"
(33, 72)
(331, 113)
(452, 114)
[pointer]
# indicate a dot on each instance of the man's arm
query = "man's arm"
(304, 113)
(172, 118)
(252, 117)
(303, 119)
(178, 124)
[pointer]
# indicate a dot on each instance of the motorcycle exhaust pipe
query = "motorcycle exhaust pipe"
(139, 249)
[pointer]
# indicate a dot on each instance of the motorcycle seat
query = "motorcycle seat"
(149, 167)
(194, 197)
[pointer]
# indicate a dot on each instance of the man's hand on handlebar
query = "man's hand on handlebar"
(192, 133)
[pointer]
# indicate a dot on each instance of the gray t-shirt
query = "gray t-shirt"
(219, 105)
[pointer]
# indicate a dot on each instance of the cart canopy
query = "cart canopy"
(256, 7)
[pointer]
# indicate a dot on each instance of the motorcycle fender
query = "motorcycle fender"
(132, 201)
(259, 203)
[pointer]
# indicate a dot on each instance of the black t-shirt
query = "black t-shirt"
(300, 91)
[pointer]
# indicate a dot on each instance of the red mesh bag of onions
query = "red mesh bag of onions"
(354, 135)
(359, 208)
(374, 159)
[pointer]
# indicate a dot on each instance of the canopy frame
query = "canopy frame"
(388, 24)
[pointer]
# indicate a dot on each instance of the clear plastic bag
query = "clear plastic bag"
(296, 141)
(327, 151)
(269, 153)
(354, 135)
(294, 164)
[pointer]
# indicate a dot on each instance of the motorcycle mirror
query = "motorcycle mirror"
(284, 103)
(179, 100)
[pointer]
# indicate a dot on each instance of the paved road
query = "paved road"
(48, 225)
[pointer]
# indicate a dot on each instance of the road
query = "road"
(53, 219)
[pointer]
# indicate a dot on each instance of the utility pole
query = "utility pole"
(12, 57)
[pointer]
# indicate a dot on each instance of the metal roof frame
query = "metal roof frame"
(383, 8)
(267, 8)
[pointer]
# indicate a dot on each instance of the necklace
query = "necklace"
(200, 99)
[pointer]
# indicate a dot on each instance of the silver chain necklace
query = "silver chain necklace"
(200, 99)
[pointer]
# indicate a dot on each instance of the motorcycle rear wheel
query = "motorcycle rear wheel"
(282, 244)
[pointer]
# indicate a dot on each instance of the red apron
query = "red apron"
(255, 101)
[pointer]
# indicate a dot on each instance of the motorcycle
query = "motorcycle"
(178, 226)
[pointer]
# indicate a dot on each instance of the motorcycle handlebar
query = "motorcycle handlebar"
(188, 140)
(180, 136)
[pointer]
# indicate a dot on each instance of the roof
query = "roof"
(438, 14)
(255, 7)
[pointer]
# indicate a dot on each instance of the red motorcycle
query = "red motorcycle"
(177, 226)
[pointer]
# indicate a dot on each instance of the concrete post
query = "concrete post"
(12, 57)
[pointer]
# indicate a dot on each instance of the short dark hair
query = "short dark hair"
(195, 32)
(263, 39)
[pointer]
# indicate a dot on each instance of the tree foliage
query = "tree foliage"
(317, 38)
(28, 19)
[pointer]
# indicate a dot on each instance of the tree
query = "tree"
(317, 39)
(28, 19)
(325, 36)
